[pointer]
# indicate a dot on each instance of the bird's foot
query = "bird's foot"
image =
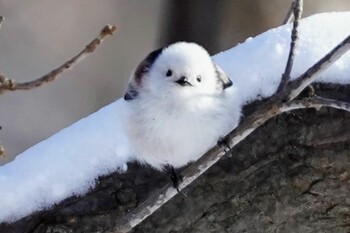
(223, 144)
(176, 180)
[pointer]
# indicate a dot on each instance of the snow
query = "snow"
(256, 65)
(65, 164)
(69, 162)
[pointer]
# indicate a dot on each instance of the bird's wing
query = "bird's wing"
(135, 81)
(223, 77)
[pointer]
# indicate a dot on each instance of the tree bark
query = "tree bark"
(290, 175)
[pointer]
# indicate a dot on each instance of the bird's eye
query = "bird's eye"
(169, 73)
(199, 78)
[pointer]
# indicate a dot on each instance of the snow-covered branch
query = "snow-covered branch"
(11, 85)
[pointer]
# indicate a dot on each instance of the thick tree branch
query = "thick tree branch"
(297, 11)
(12, 85)
(297, 86)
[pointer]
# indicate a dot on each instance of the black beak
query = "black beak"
(227, 83)
(183, 82)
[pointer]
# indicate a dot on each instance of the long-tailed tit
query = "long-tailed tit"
(180, 103)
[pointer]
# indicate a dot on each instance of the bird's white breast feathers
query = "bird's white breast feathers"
(179, 104)
(166, 131)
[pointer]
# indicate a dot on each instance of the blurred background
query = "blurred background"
(39, 35)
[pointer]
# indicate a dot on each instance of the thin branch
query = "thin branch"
(160, 196)
(297, 11)
(298, 85)
(289, 15)
(11, 85)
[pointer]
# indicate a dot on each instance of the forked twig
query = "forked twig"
(272, 108)
(12, 85)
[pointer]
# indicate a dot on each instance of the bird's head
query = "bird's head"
(181, 70)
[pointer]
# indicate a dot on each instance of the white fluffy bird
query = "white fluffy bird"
(179, 104)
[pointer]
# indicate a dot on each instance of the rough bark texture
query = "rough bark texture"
(291, 175)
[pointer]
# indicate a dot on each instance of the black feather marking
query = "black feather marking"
(130, 95)
(146, 64)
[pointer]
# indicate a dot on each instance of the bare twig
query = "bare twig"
(11, 85)
(298, 85)
(289, 15)
(297, 11)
